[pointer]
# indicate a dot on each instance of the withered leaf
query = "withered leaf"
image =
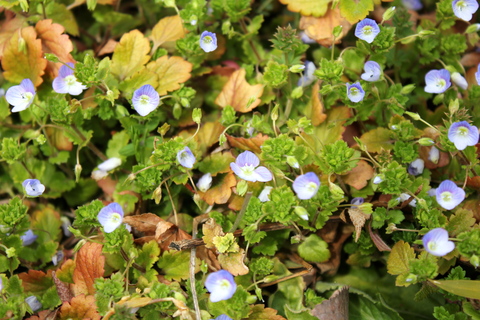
(130, 54)
(233, 262)
(167, 29)
(89, 264)
(80, 307)
(358, 219)
(379, 243)
(315, 109)
(146, 223)
(358, 177)
(259, 312)
(321, 29)
(335, 308)
(250, 144)
(36, 282)
(166, 232)
(221, 191)
(208, 134)
(210, 230)
(171, 72)
(63, 289)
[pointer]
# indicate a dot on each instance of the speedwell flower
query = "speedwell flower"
(413, 4)
(306, 185)
(436, 242)
(109, 164)
(245, 166)
(355, 202)
(459, 80)
(462, 134)
(28, 238)
(21, 96)
(186, 158)
(208, 41)
(205, 182)
(416, 167)
(367, 30)
(222, 317)
(110, 217)
(377, 180)
(437, 81)
(405, 196)
(449, 195)
(373, 71)
(33, 303)
(477, 74)
(355, 92)
(308, 76)
(145, 99)
(464, 9)
(33, 187)
(264, 196)
(221, 285)
(66, 82)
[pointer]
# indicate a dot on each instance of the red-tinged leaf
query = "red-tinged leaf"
(80, 307)
(54, 41)
(250, 144)
(146, 223)
(474, 182)
(19, 64)
(89, 266)
(259, 312)
(221, 191)
(359, 176)
(36, 282)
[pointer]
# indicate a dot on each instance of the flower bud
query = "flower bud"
(388, 14)
(337, 31)
(366, 208)
(78, 171)
(424, 33)
(297, 68)
(274, 113)
(157, 195)
(222, 139)
(459, 80)
(411, 278)
(297, 93)
(415, 116)
(251, 299)
(185, 103)
(407, 89)
(434, 155)
(51, 57)
(242, 187)
(293, 162)
(453, 106)
(426, 142)
(197, 115)
(301, 212)
(475, 261)
(378, 179)
(473, 28)
(205, 182)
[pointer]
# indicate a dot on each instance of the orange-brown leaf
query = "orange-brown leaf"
(80, 2)
(36, 282)
(321, 29)
(171, 72)
(167, 29)
(359, 176)
(250, 144)
(221, 192)
(259, 312)
(54, 41)
(166, 232)
(146, 223)
(315, 109)
(89, 264)
(209, 134)
(358, 219)
(233, 262)
(81, 307)
(19, 65)
(108, 48)
(7, 27)
(239, 94)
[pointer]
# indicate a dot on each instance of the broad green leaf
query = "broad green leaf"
(314, 8)
(355, 10)
(377, 139)
(463, 288)
(130, 54)
(362, 308)
(176, 264)
(139, 78)
(314, 249)
(399, 258)
(60, 14)
(118, 141)
(331, 129)
(459, 222)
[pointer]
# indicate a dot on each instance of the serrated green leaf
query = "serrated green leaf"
(314, 249)
(355, 10)
(176, 265)
(399, 258)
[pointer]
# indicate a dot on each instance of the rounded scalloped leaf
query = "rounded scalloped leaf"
(314, 8)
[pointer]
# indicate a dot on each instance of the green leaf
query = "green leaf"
(60, 14)
(399, 258)
(176, 264)
(355, 10)
(276, 74)
(362, 308)
(463, 288)
(377, 139)
(314, 249)
(236, 307)
(461, 221)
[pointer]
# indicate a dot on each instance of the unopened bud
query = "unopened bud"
(301, 212)
(459, 80)
(222, 139)
(453, 106)
(389, 13)
(185, 103)
(41, 139)
(242, 188)
(193, 20)
(434, 155)
(157, 195)
(426, 142)
(336, 191)
(51, 57)
(293, 162)
(251, 299)
(411, 278)
(177, 111)
(366, 208)
(197, 115)
(475, 261)
(473, 28)
(78, 171)
(297, 68)
(205, 182)
(131, 177)
(415, 116)
(407, 89)
(424, 33)
(297, 92)
(337, 31)
(274, 113)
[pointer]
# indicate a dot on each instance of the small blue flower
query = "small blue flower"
(28, 238)
(66, 82)
(306, 39)
(355, 92)
(377, 180)
(477, 75)
(33, 303)
(449, 195)
(245, 166)
(145, 99)
(264, 196)
(33, 187)
(308, 76)
(462, 134)
(373, 71)
(306, 185)
(436, 242)
(405, 197)
(208, 41)
(222, 317)
(464, 9)
(413, 4)
(459, 80)
(111, 217)
(221, 285)
(437, 81)
(186, 158)
(205, 182)
(367, 30)
(355, 202)
(416, 167)
(21, 96)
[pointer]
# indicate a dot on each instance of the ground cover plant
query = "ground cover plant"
(239, 159)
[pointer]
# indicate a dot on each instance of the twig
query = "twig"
(242, 211)
(193, 256)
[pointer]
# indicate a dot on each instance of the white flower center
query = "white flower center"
(354, 91)
(248, 169)
(440, 83)
(27, 96)
(70, 80)
(115, 218)
(432, 245)
(224, 284)
(462, 131)
(311, 186)
(207, 39)
(461, 5)
(367, 30)
(446, 196)
(145, 100)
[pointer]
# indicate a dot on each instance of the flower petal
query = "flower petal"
(306, 185)
(208, 41)
(221, 285)
(247, 158)
(263, 174)
(66, 71)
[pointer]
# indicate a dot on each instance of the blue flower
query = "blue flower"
(355, 92)
(221, 285)
(416, 167)
(186, 158)
(462, 134)
(377, 180)
(355, 202)
(245, 166)
(33, 187)
(464, 9)
(205, 182)
(372, 71)
(306, 185)
(33, 303)
(28, 238)
(222, 317)
(449, 195)
(459, 80)
(413, 4)
(437, 81)
(436, 242)
(367, 30)
(111, 217)
(145, 99)
(208, 41)
(308, 76)
(264, 196)
(306, 39)
(66, 82)
(21, 96)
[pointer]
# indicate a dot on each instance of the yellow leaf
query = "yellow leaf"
(19, 64)
(315, 109)
(211, 229)
(136, 302)
(171, 72)
(355, 10)
(130, 54)
(399, 258)
(239, 94)
(233, 262)
(314, 8)
(463, 288)
(138, 79)
(8, 27)
(167, 29)
(377, 139)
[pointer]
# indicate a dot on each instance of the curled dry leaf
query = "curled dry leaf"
(250, 144)
(358, 177)
(379, 243)
(233, 262)
(167, 232)
(80, 307)
(89, 265)
(146, 223)
(358, 219)
(167, 29)
(321, 29)
(239, 94)
(171, 72)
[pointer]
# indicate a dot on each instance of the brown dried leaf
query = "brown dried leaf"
(208, 134)
(359, 176)
(335, 308)
(136, 302)
(63, 289)
(210, 230)
(58, 139)
(44, 315)
(321, 29)
(221, 192)
(167, 232)
(379, 243)
(259, 312)
(443, 160)
(19, 65)
(238, 93)
(358, 219)
(36, 282)
(130, 54)
(8, 27)
(146, 223)
(474, 206)
(167, 29)
(89, 264)
(233, 262)
(171, 72)
(80, 307)
(54, 41)
(315, 109)
(250, 144)
(108, 48)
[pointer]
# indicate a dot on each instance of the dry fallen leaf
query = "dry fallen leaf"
(130, 54)
(233, 262)
(315, 109)
(250, 144)
(8, 27)
(321, 29)
(221, 191)
(171, 72)
(307, 7)
(358, 177)
(239, 94)
(335, 308)
(358, 219)
(108, 48)
(377, 240)
(63, 289)
(167, 29)
(80, 307)
(35, 281)
(89, 264)
(210, 230)
(259, 312)
(167, 232)
(146, 223)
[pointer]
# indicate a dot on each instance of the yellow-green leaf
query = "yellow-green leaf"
(377, 139)
(314, 8)
(167, 29)
(331, 129)
(399, 258)
(130, 54)
(171, 72)
(463, 288)
(139, 79)
(355, 10)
